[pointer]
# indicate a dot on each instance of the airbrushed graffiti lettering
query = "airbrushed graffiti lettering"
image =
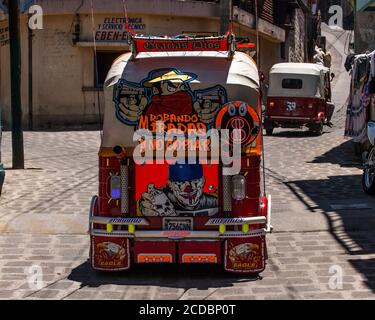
(184, 129)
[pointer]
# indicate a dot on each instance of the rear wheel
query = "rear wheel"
(368, 178)
(269, 131)
(317, 128)
(269, 128)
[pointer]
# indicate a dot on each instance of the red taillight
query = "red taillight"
(199, 258)
(154, 258)
(264, 206)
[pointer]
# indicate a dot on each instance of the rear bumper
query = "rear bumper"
(132, 223)
(242, 251)
(291, 122)
(292, 119)
(247, 255)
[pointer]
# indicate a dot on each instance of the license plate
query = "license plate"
(178, 224)
(291, 106)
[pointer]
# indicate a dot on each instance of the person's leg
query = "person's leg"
(330, 111)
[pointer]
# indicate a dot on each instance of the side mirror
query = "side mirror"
(332, 76)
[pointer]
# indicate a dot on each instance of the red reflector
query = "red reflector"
(246, 45)
(199, 258)
(154, 258)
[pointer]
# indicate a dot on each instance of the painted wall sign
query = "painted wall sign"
(114, 28)
(4, 33)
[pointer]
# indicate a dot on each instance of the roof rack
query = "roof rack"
(226, 43)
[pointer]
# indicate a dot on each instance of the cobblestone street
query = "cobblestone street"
(316, 186)
(69, 68)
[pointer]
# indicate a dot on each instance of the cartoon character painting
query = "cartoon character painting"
(170, 93)
(183, 194)
(166, 95)
(167, 92)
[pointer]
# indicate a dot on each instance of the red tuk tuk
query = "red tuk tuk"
(160, 211)
(299, 94)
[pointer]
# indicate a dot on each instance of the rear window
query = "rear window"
(292, 84)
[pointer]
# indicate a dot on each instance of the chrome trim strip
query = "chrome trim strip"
(93, 203)
(251, 234)
(113, 234)
(227, 194)
(269, 228)
(119, 221)
(289, 118)
(124, 174)
(236, 221)
(178, 235)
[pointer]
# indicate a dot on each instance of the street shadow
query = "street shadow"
(301, 134)
(367, 268)
(343, 155)
(349, 212)
(26, 169)
(200, 277)
(333, 197)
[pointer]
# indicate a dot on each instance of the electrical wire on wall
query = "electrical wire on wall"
(260, 103)
(257, 31)
(126, 16)
(96, 55)
(74, 21)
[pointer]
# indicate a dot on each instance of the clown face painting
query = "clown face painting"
(186, 184)
(182, 196)
(187, 193)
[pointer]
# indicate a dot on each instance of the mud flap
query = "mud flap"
(245, 255)
(110, 253)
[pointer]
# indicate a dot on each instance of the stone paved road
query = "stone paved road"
(43, 219)
(298, 269)
(314, 182)
(59, 181)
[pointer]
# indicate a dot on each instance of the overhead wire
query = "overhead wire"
(96, 69)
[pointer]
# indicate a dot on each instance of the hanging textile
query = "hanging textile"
(359, 99)
(372, 88)
(372, 73)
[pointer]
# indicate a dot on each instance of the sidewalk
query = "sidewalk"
(53, 194)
